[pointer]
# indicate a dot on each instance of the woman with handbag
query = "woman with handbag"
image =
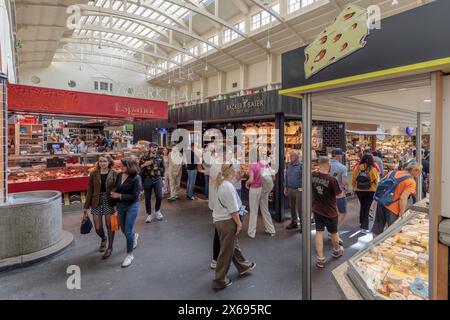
(101, 182)
(127, 192)
(228, 225)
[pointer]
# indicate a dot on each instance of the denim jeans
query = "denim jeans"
(206, 186)
(192, 176)
(156, 186)
(127, 218)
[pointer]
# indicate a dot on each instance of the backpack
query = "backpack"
(266, 179)
(384, 195)
(363, 181)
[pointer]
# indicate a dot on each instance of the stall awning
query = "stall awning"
(55, 101)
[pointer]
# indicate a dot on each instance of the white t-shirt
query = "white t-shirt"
(227, 202)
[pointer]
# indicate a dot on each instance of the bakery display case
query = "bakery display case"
(395, 265)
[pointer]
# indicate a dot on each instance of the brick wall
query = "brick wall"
(333, 135)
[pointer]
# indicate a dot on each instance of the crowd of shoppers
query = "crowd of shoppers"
(112, 193)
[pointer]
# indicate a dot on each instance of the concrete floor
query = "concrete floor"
(172, 262)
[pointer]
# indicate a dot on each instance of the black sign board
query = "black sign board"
(415, 36)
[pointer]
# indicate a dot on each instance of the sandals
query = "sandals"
(339, 253)
(107, 254)
(320, 262)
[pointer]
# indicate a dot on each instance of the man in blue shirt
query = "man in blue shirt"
(339, 171)
(293, 188)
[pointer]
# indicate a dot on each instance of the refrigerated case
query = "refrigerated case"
(61, 172)
(395, 266)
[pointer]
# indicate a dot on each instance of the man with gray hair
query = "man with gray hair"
(293, 187)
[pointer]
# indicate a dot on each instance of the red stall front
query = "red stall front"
(53, 135)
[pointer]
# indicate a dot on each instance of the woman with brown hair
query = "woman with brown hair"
(127, 192)
(101, 182)
(228, 225)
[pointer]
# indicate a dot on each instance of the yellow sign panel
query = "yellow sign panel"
(346, 35)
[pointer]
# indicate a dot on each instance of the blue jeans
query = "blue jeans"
(206, 186)
(192, 176)
(239, 192)
(127, 218)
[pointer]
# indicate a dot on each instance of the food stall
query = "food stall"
(47, 165)
(380, 61)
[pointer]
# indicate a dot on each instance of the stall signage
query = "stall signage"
(245, 106)
(45, 100)
(392, 50)
(346, 35)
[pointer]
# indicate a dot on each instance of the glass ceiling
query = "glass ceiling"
(119, 24)
(130, 35)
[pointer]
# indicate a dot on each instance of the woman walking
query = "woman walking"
(127, 191)
(258, 199)
(101, 182)
(228, 225)
(365, 181)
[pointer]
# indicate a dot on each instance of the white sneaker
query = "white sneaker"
(135, 243)
(149, 219)
(213, 264)
(159, 216)
(127, 262)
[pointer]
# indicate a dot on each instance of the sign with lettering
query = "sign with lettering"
(45, 100)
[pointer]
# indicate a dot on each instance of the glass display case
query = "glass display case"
(395, 265)
(52, 171)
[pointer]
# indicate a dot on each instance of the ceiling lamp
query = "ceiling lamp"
(206, 67)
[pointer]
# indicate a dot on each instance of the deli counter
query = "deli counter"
(395, 265)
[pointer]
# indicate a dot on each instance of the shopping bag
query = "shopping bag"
(115, 223)
(86, 226)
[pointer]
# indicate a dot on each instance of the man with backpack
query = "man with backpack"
(392, 196)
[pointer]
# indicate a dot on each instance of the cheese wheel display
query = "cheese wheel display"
(345, 36)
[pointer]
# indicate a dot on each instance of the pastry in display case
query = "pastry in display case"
(395, 265)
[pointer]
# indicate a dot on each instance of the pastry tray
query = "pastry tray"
(353, 271)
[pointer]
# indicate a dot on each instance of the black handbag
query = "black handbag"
(86, 226)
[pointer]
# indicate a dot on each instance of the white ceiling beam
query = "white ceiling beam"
(207, 14)
(277, 16)
(147, 5)
(242, 6)
(119, 45)
(150, 41)
(88, 10)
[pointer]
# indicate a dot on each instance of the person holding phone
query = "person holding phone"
(228, 226)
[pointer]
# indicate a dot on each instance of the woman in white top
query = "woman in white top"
(228, 225)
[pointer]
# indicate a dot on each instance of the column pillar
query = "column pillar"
(307, 197)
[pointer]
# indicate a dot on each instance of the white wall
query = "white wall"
(58, 74)
(213, 86)
(233, 76)
(6, 45)
(257, 74)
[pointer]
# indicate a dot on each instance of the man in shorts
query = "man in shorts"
(325, 190)
(339, 171)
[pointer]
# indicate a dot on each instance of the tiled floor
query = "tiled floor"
(172, 262)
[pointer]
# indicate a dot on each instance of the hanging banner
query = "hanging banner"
(54, 101)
